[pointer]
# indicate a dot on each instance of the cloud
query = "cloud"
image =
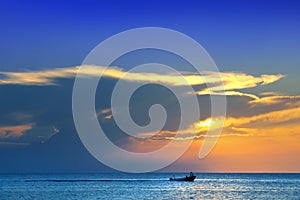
(251, 117)
(275, 118)
(47, 77)
(105, 113)
(266, 124)
(237, 81)
(231, 80)
(26, 134)
(227, 93)
(285, 119)
(14, 131)
(269, 100)
(44, 77)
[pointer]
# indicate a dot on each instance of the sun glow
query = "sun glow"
(206, 123)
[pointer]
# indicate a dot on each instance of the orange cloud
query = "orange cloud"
(105, 113)
(266, 142)
(14, 131)
(286, 120)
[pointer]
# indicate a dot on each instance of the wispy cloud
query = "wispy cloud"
(14, 131)
(227, 93)
(258, 125)
(105, 113)
(44, 77)
(238, 80)
(231, 80)
(269, 100)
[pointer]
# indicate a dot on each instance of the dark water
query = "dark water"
(150, 186)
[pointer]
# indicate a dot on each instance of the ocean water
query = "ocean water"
(150, 186)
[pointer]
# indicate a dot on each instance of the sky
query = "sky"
(254, 44)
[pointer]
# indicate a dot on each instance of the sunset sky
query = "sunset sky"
(254, 44)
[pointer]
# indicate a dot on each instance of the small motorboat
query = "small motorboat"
(186, 178)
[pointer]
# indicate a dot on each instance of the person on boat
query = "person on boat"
(191, 174)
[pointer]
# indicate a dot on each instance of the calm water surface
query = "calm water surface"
(150, 186)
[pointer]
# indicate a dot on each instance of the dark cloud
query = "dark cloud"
(49, 109)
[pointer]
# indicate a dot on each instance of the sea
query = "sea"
(150, 186)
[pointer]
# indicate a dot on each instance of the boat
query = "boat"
(190, 178)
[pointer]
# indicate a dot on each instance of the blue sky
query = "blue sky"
(252, 37)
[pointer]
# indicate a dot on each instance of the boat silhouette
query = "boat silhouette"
(189, 178)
